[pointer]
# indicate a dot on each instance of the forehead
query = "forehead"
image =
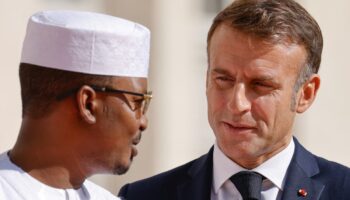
(130, 83)
(230, 47)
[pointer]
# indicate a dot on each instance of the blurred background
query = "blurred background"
(178, 130)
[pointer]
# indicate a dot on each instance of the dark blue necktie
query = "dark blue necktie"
(248, 184)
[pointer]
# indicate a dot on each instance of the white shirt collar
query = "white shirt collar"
(224, 167)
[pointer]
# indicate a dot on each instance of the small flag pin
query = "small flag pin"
(302, 193)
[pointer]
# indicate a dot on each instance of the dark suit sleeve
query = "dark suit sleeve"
(181, 183)
(123, 192)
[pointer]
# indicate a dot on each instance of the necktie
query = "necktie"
(248, 184)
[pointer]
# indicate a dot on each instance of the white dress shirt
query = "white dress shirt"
(274, 169)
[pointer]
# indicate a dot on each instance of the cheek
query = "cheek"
(264, 111)
(125, 129)
(118, 128)
(122, 118)
(216, 104)
(273, 115)
(217, 100)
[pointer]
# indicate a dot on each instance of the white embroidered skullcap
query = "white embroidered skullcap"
(87, 42)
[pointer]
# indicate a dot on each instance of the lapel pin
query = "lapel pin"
(302, 193)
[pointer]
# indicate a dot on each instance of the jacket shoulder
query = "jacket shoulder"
(173, 175)
(335, 178)
(166, 185)
(333, 174)
(153, 187)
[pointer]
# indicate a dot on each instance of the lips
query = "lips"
(135, 142)
(134, 152)
(239, 127)
(137, 139)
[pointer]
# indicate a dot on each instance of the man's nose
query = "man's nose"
(143, 122)
(239, 103)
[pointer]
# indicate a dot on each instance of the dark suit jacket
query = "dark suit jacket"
(322, 179)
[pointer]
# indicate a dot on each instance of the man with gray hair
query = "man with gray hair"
(84, 97)
(263, 62)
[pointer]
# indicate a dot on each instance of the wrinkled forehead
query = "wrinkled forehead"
(256, 45)
(268, 40)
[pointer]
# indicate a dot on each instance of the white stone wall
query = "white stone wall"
(178, 129)
(325, 127)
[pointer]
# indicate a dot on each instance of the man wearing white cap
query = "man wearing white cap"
(84, 97)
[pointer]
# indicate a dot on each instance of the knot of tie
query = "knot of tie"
(248, 184)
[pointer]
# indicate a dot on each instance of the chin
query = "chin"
(239, 150)
(121, 169)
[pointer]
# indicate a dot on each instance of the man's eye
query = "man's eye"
(223, 82)
(262, 85)
(223, 78)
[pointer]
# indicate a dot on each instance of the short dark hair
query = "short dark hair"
(40, 86)
(276, 21)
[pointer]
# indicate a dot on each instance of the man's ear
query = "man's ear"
(308, 93)
(86, 100)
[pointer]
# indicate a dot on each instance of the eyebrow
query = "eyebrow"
(263, 77)
(267, 79)
(221, 71)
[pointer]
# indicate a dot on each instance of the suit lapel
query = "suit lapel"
(299, 177)
(198, 186)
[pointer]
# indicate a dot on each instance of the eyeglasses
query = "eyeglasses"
(142, 103)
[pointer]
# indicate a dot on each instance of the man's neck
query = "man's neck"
(48, 168)
(45, 155)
